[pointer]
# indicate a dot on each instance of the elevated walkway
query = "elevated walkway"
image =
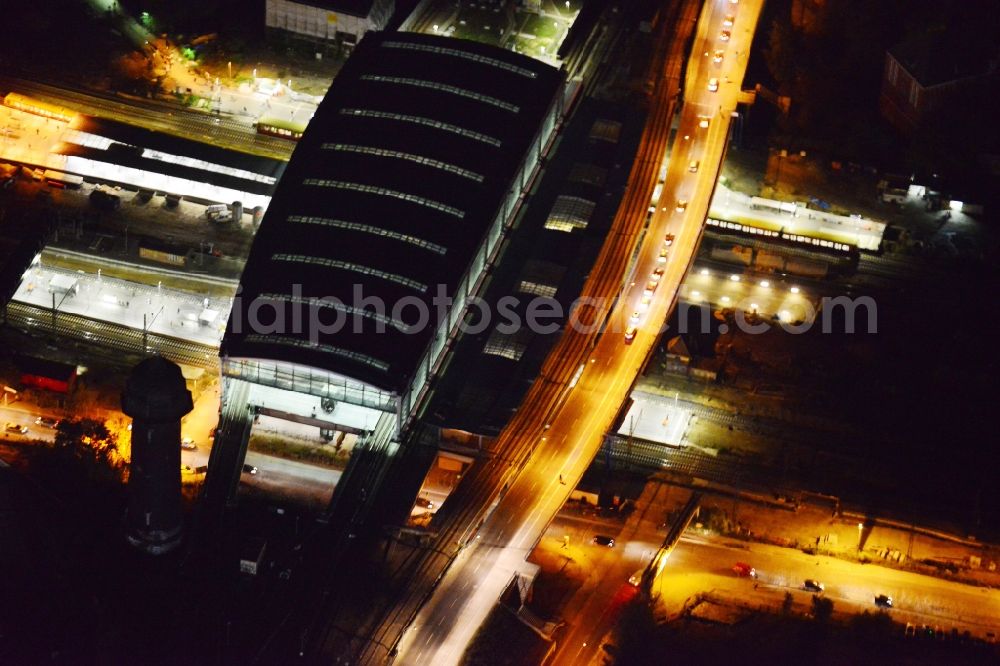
(659, 561)
(323, 424)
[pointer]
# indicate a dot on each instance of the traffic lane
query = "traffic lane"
(26, 417)
(538, 512)
(596, 392)
(469, 590)
(849, 582)
(549, 462)
(474, 601)
(630, 360)
(917, 597)
(601, 613)
(710, 38)
(597, 408)
(450, 608)
(707, 565)
(521, 499)
(293, 469)
(553, 498)
(594, 610)
(178, 121)
(286, 485)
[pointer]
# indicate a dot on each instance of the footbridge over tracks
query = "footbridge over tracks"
(659, 561)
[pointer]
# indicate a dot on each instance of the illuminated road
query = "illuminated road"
(704, 564)
(161, 117)
(469, 590)
(852, 586)
(24, 416)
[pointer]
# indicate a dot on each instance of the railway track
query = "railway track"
(38, 321)
(159, 116)
(514, 448)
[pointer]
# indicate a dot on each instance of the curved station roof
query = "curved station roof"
(389, 194)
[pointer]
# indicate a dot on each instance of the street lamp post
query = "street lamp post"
(861, 527)
(145, 329)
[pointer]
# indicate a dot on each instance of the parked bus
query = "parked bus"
(38, 107)
(286, 129)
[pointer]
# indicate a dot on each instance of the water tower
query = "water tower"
(156, 397)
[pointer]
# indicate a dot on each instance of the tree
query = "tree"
(636, 634)
(780, 54)
(872, 626)
(822, 609)
(87, 444)
(134, 72)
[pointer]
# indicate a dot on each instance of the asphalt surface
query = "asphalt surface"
(703, 564)
(471, 587)
(235, 134)
(21, 416)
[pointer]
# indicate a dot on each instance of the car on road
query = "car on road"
(703, 122)
(603, 540)
(424, 503)
(668, 240)
(883, 601)
(682, 205)
(634, 319)
(650, 288)
(636, 578)
(813, 585)
(693, 166)
(657, 273)
(249, 469)
(713, 84)
(662, 259)
(16, 427)
(724, 36)
(728, 21)
(718, 55)
(47, 422)
(629, 335)
(188, 444)
(744, 569)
